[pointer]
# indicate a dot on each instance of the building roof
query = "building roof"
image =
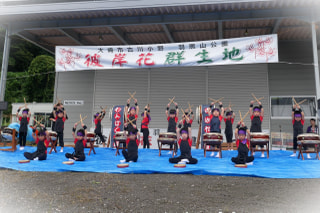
(149, 22)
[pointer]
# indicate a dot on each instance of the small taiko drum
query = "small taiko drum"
(308, 138)
(53, 135)
(259, 136)
(167, 136)
(122, 135)
(199, 114)
(91, 136)
(7, 133)
(241, 165)
(212, 136)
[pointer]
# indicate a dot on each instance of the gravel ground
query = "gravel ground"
(101, 192)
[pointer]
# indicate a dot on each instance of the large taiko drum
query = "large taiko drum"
(52, 135)
(122, 135)
(199, 114)
(308, 138)
(91, 136)
(167, 136)
(259, 136)
(212, 136)
(7, 133)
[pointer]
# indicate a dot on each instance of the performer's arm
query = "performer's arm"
(85, 131)
(167, 114)
(292, 113)
(221, 108)
(250, 108)
(74, 130)
(177, 108)
(17, 114)
(261, 108)
(137, 106)
(34, 132)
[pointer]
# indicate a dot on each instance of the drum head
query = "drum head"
(241, 165)
(70, 162)
(123, 165)
(24, 161)
(180, 165)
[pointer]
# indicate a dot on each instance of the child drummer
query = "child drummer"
(145, 126)
(215, 123)
(185, 143)
(256, 116)
(42, 141)
(60, 117)
(97, 121)
(80, 142)
(297, 122)
(131, 116)
(172, 117)
(131, 154)
(229, 119)
(24, 121)
(243, 142)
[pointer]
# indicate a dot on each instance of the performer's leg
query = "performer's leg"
(125, 155)
(249, 159)
(24, 139)
(101, 138)
(28, 155)
(175, 160)
(295, 144)
(69, 155)
(42, 156)
(192, 160)
(20, 139)
(61, 142)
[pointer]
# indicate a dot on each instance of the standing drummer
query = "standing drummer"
(132, 116)
(298, 122)
(172, 117)
(215, 123)
(256, 116)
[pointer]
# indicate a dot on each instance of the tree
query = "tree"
(39, 85)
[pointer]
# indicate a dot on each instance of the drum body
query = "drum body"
(212, 136)
(167, 136)
(91, 136)
(7, 133)
(308, 138)
(122, 135)
(199, 114)
(259, 136)
(53, 135)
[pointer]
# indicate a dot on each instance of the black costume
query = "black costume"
(185, 150)
(23, 130)
(242, 157)
(78, 152)
(97, 130)
(131, 154)
(40, 153)
(59, 127)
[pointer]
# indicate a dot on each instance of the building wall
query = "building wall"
(190, 84)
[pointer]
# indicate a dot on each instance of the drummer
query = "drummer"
(42, 141)
(215, 123)
(313, 128)
(131, 155)
(229, 119)
(132, 116)
(58, 106)
(190, 118)
(172, 117)
(185, 143)
(80, 142)
(145, 126)
(256, 116)
(60, 117)
(243, 142)
(97, 121)
(297, 122)
(24, 121)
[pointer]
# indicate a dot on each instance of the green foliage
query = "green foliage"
(39, 85)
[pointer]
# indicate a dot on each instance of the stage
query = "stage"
(279, 165)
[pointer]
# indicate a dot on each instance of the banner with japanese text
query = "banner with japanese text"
(246, 50)
(205, 125)
(117, 121)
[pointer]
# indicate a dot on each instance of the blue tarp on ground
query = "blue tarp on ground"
(279, 165)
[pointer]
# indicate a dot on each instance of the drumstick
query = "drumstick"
(242, 118)
(190, 106)
(302, 102)
(240, 115)
(256, 99)
(38, 122)
(102, 109)
(132, 95)
(216, 101)
(294, 100)
(130, 121)
(25, 103)
(171, 100)
(82, 119)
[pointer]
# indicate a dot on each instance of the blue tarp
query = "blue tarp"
(279, 165)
